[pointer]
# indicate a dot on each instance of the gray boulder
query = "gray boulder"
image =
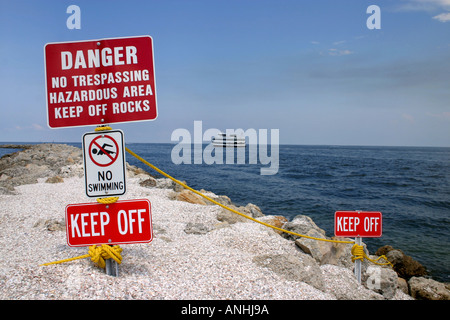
(341, 282)
(323, 251)
(250, 210)
(339, 254)
(317, 249)
(35, 162)
(428, 289)
(301, 224)
(382, 280)
(297, 268)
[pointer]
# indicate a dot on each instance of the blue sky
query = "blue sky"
(311, 69)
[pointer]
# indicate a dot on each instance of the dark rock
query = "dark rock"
(405, 266)
(196, 228)
(51, 224)
(55, 179)
(148, 183)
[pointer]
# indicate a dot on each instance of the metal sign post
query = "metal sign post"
(358, 241)
(112, 267)
(358, 224)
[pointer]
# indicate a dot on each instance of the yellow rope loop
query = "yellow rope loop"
(96, 256)
(113, 252)
(103, 128)
(107, 200)
(100, 254)
(359, 254)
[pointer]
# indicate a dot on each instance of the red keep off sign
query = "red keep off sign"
(122, 222)
(363, 224)
(100, 81)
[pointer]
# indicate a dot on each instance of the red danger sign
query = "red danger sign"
(122, 222)
(358, 224)
(100, 81)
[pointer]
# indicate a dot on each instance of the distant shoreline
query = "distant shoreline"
(15, 146)
(22, 145)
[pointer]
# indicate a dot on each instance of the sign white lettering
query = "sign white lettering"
(125, 221)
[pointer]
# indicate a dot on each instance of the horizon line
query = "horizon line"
(205, 143)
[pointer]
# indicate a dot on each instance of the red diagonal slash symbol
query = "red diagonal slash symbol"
(104, 151)
(94, 142)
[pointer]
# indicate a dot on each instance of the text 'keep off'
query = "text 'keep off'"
(363, 224)
(126, 221)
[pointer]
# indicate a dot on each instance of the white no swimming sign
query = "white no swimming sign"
(104, 163)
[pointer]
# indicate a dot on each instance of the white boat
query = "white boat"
(230, 140)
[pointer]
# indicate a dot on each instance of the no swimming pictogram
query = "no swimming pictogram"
(104, 163)
(103, 150)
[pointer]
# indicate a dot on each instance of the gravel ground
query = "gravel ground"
(175, 265)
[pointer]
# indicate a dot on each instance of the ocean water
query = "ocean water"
(409, 185)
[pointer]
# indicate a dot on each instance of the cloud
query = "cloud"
(443, 17)
(33, 126)
(428, 6)
(443, 115)
(424, 5)
(408, 117)
(337, 52)
(37, 126)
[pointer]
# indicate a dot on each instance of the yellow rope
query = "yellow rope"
(225, 207)
(103, 128)
(359, 254)
(107, 200)
(357, 250)
(98, 255)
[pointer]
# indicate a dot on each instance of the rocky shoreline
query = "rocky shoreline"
(54, 163)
